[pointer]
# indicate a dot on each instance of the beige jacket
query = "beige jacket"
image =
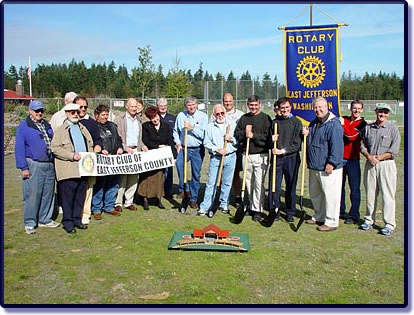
(63, 150)
(121, 122)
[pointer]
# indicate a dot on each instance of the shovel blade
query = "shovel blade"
(184, 205)
(240, 213)
(302, 215)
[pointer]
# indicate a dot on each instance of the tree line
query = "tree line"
(146, 80)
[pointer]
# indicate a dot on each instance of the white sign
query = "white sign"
(91, 164)
(118, 103)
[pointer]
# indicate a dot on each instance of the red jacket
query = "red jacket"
(352, 137)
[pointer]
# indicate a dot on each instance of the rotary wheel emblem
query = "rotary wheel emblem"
(311, 71)
(87, 164)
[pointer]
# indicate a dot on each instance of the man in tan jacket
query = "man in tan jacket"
(70, 139)
(130, 131)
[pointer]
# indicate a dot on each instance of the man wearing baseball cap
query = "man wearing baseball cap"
(35, 159)
(380, 145)
(70, 139)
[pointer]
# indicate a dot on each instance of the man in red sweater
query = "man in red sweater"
(353, 126)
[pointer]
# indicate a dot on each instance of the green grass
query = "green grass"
(120, 259)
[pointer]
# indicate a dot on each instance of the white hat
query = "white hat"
(71, 106)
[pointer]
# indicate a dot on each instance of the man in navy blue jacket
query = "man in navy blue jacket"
(34, 158)
(325, 151)
(168, 118)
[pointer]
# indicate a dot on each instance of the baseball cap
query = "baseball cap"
(35, 105)
(71, 106)
(382, 106)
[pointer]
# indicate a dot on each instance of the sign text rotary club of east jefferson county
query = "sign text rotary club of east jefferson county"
(311, 67)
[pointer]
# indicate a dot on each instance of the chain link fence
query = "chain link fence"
(15, 110)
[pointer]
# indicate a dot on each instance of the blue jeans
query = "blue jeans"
(168, 183)
(39, 193)
(226, 181)
(105, 191)
(352, 169)
(195, 156)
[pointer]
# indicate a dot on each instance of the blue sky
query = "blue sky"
(223, 37)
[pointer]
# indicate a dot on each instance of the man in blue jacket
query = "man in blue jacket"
(325, 152)
(34, 158)
(195, 122)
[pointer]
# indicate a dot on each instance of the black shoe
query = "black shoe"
(350, 221)
(69, 230)
(160, 205)
(81, 226)
(145, 204)
(343, 217)
(289, 218)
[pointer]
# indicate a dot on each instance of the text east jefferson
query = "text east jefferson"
(312, 94)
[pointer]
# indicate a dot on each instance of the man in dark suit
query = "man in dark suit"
(169, 119)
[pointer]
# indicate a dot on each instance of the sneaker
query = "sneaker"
(365, 226)
(386, 231)
(225, 211)
(85, 220)
(257, 217)
(201, 212)
(30, 230)
(51, 224)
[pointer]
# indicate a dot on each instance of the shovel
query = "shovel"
(186, 200)
(241, 209)
(216, 203)
(303, 212)
(272, 211)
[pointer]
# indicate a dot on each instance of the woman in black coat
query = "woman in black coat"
(155, 134)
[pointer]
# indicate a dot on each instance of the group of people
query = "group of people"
(49, 153)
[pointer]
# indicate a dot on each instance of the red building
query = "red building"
(211, 231)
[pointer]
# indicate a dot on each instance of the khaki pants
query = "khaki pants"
(127, 186)
(325, 192)
(86, 213)
(381, 177)
(255, 177)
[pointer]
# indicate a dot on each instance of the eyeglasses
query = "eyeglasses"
(73, 112)
(41, 110)
(83, 107)
(220, 114)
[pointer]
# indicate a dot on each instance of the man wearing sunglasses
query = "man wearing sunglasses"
(214, 142)
(34, 158)
(70, 139)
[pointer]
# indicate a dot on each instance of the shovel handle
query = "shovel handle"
(302, 186)
(185, 154)
(274, 164)
(245, 165)
(222, 158)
